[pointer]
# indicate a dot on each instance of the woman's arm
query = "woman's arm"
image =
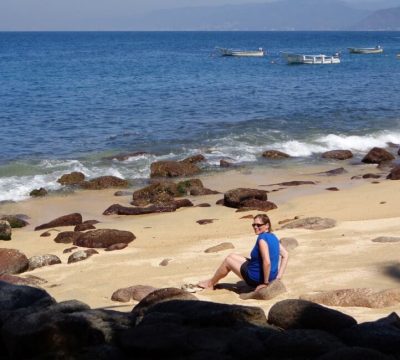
(285, 257)
(266, 263)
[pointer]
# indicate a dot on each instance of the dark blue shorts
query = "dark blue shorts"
(245, 275)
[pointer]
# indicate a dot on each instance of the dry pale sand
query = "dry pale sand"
(336, 258)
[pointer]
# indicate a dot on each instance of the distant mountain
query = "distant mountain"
(277, 15)
(386, 19)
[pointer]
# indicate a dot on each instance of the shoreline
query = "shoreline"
(337, 258)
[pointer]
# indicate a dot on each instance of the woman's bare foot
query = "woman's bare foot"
(206, 284)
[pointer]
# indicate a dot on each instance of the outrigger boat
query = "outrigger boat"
(374, 50)
(232, 52)
(311, 59)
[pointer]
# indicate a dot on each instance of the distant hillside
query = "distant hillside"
(279, 15)
(387, 19)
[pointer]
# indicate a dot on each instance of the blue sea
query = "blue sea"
(70, 101)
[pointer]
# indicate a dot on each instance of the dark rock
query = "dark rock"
(371, 176)
(43, 260)
(13, 297)
(164, 262)
(235, 197)
(377, 155)
(74, 178)
(255, 204)
(103, 238)
(173, 169)
(311, 223)
(382, 335)
(220, 247)
(118, 246)
(289, 243)
(45, 234)
(179, 203)
(66, 220)
(123, 193)
(203, 205)
(301, 344)
(394, 173)
(136, 292)
(386, 239)
(220, 202)
(205, 221)
(68, 250)
(334, 172)
(81, 255)
(105, 182)
(12, 261)
(38, 192)
(274, 289)
(91, 222)
(354, 353)
(332, 189)
(302, 314)
(337, 154)
(117, 209)
(14, 221)
(162, 295)
(275, 154)
(84, 227)
(5, 230)
(67, 237)
(295, 183)
(363, 297)
(157, 192)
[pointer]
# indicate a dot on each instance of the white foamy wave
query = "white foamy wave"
(18, 188)
(355, 143)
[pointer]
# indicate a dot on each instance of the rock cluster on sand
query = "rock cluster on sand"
(168, 168)
(248, 199)
(172, 324)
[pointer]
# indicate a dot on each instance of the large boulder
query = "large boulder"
(67, 237)
(377, 155)
(234, 198)
(105, 182)
(337, 154)
(66, 220)
(103, 238)
(81, 255)
(173, 169)
(302, 314)
(5, 230)
(12, 261)
(74, 178)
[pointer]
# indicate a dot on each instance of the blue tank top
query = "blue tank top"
(254, 268)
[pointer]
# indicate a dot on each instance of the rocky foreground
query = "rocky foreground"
(171, 323)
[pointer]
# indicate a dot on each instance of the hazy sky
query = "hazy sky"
(95, 14)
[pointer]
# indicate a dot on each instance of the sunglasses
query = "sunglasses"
(257, 225)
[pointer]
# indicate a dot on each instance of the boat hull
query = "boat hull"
(242, 53)
(365, 50)
(311, 59)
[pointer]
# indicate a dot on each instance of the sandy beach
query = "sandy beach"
(341, 257)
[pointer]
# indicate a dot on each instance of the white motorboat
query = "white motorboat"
(250, 53)
(311, 59)
(374, 50)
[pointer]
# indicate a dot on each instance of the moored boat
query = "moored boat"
(250, 53)
(375, 50)
(320, 59)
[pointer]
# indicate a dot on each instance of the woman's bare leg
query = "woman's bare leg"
(232, 262)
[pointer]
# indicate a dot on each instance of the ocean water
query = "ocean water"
(70, 101)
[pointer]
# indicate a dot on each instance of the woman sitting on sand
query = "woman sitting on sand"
(262, 267)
